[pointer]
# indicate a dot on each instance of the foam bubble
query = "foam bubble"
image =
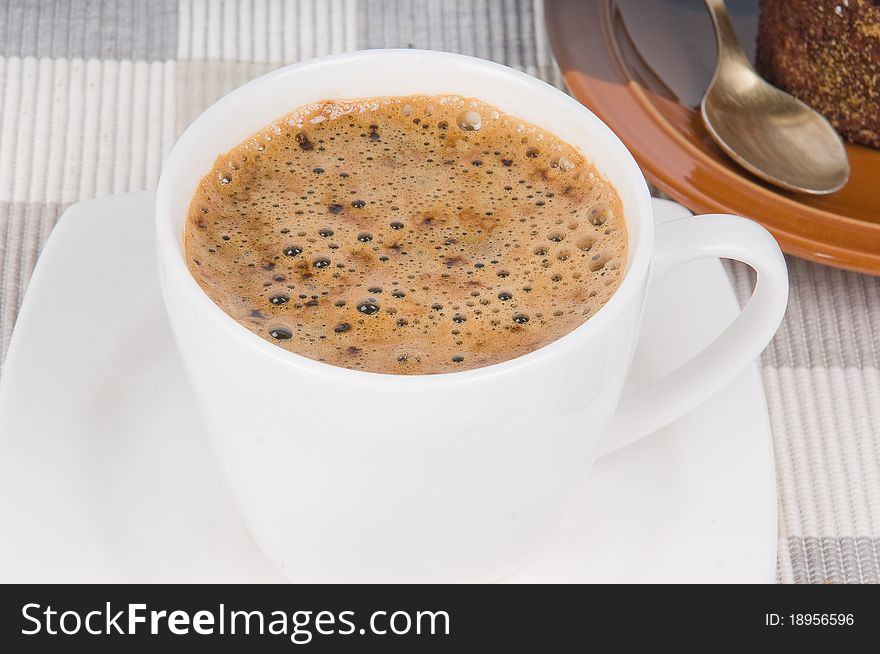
(470, 121)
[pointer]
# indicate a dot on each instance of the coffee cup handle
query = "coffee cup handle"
(678, 242)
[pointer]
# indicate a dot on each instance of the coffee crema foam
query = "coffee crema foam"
(406, 235)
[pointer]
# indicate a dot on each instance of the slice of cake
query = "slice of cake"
(827, 53)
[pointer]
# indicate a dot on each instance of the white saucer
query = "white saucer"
(107, 476)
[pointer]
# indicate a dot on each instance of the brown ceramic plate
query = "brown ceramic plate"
(643, 65)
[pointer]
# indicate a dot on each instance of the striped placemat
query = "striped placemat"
(94, 93)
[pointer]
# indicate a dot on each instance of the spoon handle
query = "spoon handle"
(729, 49)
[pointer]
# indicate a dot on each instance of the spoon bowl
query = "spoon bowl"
(767, 131)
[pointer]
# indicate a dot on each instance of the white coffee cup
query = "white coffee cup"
(343, 475)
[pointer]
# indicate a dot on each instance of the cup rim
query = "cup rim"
(172, 262)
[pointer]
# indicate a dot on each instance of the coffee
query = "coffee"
(406, 235)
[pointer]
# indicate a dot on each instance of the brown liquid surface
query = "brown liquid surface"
(410, 235)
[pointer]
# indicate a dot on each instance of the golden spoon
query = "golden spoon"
(770, 133)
